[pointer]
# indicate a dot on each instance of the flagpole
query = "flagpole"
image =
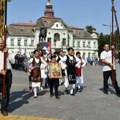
(112, 36)
(117, 25)
(114, 15)
(5, 54)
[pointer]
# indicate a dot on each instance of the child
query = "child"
(54, 76)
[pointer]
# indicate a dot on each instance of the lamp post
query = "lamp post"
(110, 31)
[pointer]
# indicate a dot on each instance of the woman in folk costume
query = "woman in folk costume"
(44, 67)
(61, 60)
(35, 72)
(79, 72)
(71, 71)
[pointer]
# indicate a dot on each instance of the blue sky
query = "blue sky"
(78, 13)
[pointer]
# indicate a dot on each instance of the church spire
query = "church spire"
(49, 10)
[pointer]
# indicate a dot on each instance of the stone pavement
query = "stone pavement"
(91, 104)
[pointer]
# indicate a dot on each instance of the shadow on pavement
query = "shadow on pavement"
(18, 99)
(109, 90)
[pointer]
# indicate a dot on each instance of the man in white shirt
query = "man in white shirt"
(108, 66)
(8, 80)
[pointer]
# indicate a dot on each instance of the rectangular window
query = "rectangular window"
(25, 43)
(12, 42)
(64, 42)
(78, 44)
(88, 44)
(73, 43)
(68, 43)
(83, 44)
(19, 42)
(32, 42)
(94, 44)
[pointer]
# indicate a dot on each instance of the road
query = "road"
(90, 104)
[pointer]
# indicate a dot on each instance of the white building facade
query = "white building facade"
(24, 37)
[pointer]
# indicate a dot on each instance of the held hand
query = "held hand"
(5, 50)
(3, 72)
(111, 65)
(113, 47)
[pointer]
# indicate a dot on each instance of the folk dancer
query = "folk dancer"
(35, 72)
(71, 71)
(61, 60)
(79, 72)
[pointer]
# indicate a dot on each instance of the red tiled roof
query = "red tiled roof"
(28, 24)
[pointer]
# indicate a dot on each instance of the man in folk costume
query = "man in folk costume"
(71, 71)
(79, 72)
(108, 66)
(8, 79)
(35, 72)
(61, 60)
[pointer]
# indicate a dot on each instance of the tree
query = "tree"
(102, 40)
(116, 40)
(90, 29)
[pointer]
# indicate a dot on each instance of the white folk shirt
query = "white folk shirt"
(10, 60)
(62, 62)
(107, 56)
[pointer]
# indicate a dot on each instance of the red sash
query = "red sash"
(78, 71)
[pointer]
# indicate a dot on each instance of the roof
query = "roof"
(28, 24)
(82, 34)
(21, 29)
(48, 22)
(75, 28)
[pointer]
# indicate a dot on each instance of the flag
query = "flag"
(47, 48)
(50, 49)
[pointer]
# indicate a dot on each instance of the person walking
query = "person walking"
(8, 77)
(108, 66)
(79, 72)
(70, 61)
(54, 81)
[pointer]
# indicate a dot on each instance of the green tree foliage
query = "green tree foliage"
(116, 40)
(90, 29)
(106, 39)
(102, 39)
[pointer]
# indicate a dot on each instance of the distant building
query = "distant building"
(21, 38)
(25, 36)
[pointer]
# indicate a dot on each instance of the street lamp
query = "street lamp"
(110, 26)
(110, 31)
